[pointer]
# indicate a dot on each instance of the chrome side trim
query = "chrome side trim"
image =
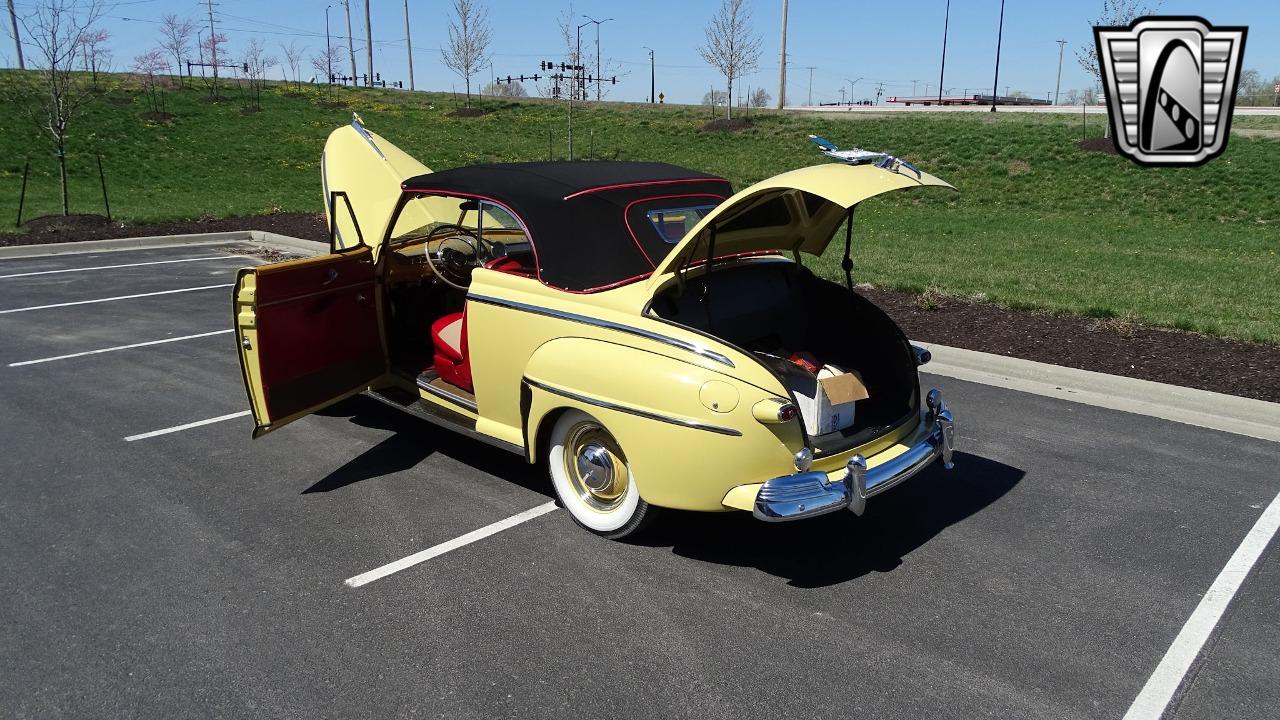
(693, 424)
(607, 324)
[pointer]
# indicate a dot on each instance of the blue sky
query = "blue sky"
(882, 42)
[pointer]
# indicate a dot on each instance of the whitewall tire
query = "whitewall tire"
(593, 479)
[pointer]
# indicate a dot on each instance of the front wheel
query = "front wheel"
(593, 479)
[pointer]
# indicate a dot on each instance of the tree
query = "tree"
(759, 98)
(715, 98)
(175, 39)
(1072, 97)
(505, 89)
(210, 47)
(293, 58)
(469, 36)
(324, 62)
(93, 48)
(256, 62)
(731, 46)
(148, 68)
(1114, 14)
(54, 96)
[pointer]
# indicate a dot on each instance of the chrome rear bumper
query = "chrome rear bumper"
(803, 495)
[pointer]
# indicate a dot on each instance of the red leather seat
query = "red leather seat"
(449, 334)
(509, 265)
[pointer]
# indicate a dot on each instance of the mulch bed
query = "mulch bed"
(1108, 345)
(723, 125)
(1097, 144)
(58, 229)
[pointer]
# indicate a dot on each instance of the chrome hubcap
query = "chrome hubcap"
(595, 466)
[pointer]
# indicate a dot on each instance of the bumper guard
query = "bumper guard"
(804, 495)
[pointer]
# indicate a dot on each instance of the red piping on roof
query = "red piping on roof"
(603, 188)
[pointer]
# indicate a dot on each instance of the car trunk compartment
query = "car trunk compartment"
(775, 309)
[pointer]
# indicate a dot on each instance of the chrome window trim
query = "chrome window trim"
(693, 424)
(607, 324)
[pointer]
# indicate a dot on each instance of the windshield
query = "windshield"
(424, 213)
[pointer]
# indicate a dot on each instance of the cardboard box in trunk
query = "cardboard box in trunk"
(834, 402)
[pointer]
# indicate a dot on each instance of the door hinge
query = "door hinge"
(246, 344)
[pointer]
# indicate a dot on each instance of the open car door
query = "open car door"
(310, 334)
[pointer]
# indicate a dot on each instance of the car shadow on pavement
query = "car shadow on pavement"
(414, 441)
(840, 547)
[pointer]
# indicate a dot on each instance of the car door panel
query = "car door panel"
(309, 334)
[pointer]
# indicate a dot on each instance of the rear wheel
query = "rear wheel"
(593, 479)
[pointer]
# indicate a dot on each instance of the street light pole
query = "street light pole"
(995, 84)
(1061, 44)
(946, 23)
(852, 83)
(598, 23)
(653, 86)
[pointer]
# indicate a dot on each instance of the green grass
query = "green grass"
(1037, 224)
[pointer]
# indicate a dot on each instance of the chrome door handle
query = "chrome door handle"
(333, 275)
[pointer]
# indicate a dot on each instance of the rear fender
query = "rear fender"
(683, 452)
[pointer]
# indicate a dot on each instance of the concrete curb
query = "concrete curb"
(284, 242)
(1243, 416)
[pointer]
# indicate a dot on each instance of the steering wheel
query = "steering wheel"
(458, 254)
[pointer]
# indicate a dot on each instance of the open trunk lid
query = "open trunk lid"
(797, 211)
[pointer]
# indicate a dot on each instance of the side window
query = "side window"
(344, 229)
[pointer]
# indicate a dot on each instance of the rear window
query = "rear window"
(658, 224)
(673, 224)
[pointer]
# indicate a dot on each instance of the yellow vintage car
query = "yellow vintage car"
(649, 335)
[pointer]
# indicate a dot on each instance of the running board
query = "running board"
(436, 415)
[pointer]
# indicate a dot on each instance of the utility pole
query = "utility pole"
(946, 23)
(811, 68)
(841, 94)
(995, 84)
(1056, 88)
(328, 47)
(782, 61)
(351, 41)
(17, 39)
(368, 42)
(653, 86)
(408, 41)
(213, 50)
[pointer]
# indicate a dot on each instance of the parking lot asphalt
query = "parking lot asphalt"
(199, 573)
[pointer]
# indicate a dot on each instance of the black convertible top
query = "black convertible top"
(586, 220)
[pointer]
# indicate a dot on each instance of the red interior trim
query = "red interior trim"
(646, 183)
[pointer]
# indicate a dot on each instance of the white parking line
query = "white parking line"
(1164, 682)
(110, 299)
(120, 347)
(113, 267)
(444, 547)
(188, 426)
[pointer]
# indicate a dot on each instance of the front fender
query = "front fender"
(688, 432)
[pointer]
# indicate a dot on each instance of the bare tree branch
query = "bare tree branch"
(731, 46)
(469, 37)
